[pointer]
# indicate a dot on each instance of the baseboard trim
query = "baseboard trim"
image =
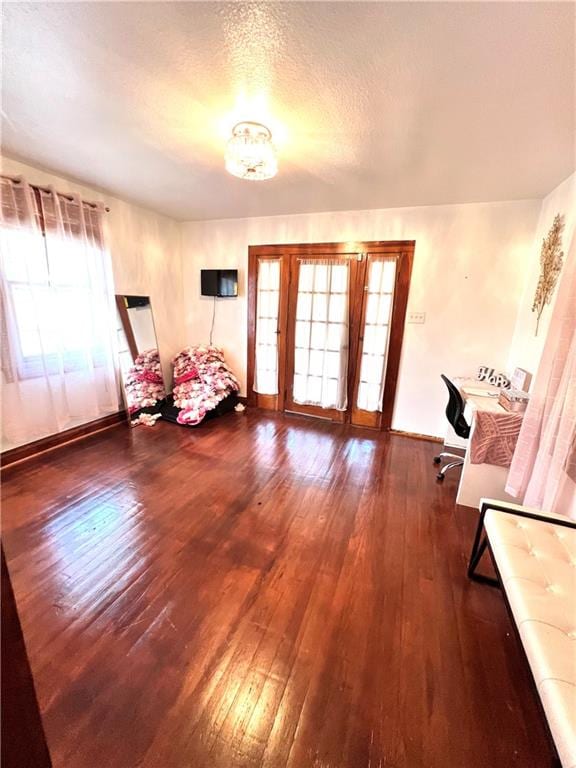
(466, 508)
(49, 443)
(416, 436)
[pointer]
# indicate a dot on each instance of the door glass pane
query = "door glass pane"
(332, 364)
(318, 335)
(382, 276)
(301, 361)
(321, 275)
(321, 337)
(320, 307)
(379, 299)
(267, 306)
(299, 387)
(333, 337)
(314, 389)
(337, 307)
(316, 358)
(304, 306)
(302, 334)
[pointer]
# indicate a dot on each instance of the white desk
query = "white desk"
(480, 480)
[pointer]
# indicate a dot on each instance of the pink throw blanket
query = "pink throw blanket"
(494, 438)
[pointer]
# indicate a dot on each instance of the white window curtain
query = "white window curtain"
(267, 307)
(321, 340)
(379, 302)
(543, 469)
(58, 322)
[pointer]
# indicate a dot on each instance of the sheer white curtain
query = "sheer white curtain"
(543, 469)
(379, 302)
(321, 340)
(58, 351)
(267, 305)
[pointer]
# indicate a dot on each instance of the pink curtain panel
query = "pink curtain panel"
(543, 468)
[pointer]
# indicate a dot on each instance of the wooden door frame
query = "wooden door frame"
(397, 324)
(269, 402)
(404, 249)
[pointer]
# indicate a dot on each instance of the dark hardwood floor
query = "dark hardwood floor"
(262, 591)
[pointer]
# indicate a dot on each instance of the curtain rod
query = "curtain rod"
(16, 180)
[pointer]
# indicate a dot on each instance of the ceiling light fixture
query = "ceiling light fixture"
(250, 153)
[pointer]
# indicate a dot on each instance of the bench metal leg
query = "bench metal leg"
(477, 556)
(478, 548)
(473, 564)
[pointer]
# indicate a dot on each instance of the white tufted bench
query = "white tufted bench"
(534, 555)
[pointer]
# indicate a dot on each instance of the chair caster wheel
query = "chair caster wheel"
(440, 476)
(437, 459)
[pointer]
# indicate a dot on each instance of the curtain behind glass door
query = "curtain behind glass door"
(321, 334)
(267, 307)
(376, 333)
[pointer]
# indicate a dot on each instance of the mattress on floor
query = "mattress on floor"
(170, 411)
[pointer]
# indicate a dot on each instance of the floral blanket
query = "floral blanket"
(144, 384)
(201, 380)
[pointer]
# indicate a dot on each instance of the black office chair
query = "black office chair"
(455, 415)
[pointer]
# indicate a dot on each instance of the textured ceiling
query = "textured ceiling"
(372, 105)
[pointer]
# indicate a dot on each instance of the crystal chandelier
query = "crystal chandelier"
(250, 153)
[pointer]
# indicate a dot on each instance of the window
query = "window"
(49, 294)
(58, 344)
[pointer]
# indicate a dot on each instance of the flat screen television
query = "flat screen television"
(219, 282)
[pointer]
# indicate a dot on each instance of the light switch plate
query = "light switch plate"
(417, 317)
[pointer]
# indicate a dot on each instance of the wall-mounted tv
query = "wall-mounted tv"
(219, 282)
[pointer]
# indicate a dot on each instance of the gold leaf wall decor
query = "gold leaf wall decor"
(551, 257)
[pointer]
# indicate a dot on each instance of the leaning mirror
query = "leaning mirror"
(144, 391)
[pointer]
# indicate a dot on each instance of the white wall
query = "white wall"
(526, 348)
(467, 278)
(145, 250)
(468, 265)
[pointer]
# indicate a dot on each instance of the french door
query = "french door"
(325, 328)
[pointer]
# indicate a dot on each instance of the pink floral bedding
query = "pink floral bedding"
(201, 380)
(144, 384)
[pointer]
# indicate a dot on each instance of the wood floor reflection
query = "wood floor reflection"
(261, 591)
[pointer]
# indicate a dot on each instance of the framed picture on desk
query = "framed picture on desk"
(521, 380)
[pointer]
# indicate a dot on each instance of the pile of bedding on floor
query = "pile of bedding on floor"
(144, 384)
(202, 379)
